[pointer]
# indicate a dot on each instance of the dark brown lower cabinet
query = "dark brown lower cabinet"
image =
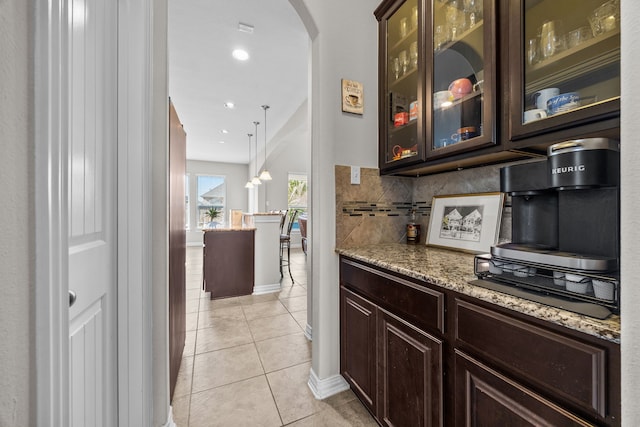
(394, 367)
(485, 397)
(454, 360)
(410, 374)
(358, 346)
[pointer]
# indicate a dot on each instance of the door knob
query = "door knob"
(72, 297)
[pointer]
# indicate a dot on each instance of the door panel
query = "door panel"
(410, 376)
(92, 212)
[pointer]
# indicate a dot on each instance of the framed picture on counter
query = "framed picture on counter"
(466, 222)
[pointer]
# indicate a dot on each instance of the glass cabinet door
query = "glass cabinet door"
(462, 82)
(401, 65)
(569, 54)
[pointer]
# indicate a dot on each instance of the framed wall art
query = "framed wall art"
(352, 97)
(467, 222)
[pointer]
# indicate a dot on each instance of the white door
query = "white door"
(92, 213)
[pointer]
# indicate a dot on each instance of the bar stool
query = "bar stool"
(285, 242)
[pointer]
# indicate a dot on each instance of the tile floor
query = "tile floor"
(246, 360)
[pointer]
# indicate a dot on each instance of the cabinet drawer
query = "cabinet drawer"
(417, 304)
(566, 367)
(485, 397)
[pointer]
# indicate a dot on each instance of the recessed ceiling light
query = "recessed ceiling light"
(240, 54)
(221, 142)
(224, 131)
(229, 105)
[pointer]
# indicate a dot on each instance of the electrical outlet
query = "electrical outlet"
(355, 174)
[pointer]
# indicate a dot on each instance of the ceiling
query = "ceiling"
(203, 75)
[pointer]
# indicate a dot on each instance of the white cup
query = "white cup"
(442, 98)
(535, 114)
(542, 96)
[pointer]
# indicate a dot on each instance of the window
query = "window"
(297, 194)
(212, 193)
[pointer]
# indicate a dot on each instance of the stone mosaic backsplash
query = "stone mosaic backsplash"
(378, 209)
(369, 208)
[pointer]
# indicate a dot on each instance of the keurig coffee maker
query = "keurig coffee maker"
(565, 242)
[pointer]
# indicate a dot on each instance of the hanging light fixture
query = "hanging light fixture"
(249, 184)
(255, 180)
(265, 175)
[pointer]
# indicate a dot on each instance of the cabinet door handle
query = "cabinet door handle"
(72, 297)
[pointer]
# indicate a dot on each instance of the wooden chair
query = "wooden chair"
(285, 242)
(302, 221)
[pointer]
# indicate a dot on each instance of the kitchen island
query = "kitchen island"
(228, 261)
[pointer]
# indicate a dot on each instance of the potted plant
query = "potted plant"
(212, 214)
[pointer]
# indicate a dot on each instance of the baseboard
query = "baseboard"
(266, 289)
(322, 389)
(170, 422)
(308, 332)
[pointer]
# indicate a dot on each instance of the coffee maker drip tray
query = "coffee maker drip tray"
(588, 292)
(551, 257)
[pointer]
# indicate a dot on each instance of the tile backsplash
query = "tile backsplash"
(377, 210)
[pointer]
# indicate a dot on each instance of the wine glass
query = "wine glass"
(395, 67)
(404, 61)
(532, 51)
(413, 54)
(451, 15)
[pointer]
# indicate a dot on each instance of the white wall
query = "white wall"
(237, 196)
(17, 245)
(337, 52)
(630, 224)
(287, 151)
(160, 208)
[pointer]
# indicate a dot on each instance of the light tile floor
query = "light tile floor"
(246, 360)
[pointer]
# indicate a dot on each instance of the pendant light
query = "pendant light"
(265, 175)
(255, 180)
(249, 184)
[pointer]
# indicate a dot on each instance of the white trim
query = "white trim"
(170, 422)
(266, 289)
(322, 389)
(308, 332)
(135, 390)
(51, 105)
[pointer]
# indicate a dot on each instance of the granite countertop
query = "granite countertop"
(454, 270)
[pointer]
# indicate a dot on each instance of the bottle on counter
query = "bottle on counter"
(413, 229)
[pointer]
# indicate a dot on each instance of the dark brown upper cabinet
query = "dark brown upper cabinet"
(564, 79)
(401, 83)
(469, 82)
(437, 79)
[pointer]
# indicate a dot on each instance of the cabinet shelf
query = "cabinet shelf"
(460, 101)
(410, 37)
(591, 55)
(468, 34)
(401, 79)
(396, 129)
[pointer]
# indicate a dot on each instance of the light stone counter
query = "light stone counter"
(454, 270)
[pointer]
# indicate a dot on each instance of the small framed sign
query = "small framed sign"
(352, 97)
